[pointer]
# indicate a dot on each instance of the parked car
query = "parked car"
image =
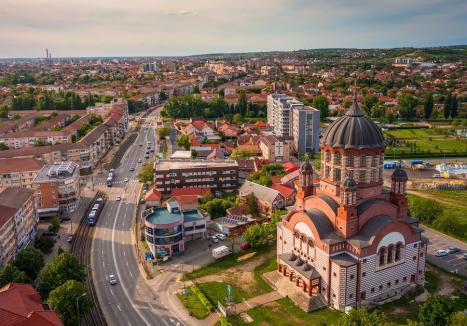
(221, 236)
(140, 160)
(69, 239)
(118, 198)
(125, 180)
(465, 255)
(214, 239)
(437, 176)
(441, 253)
(113, 279)
(132, 169)
(453, 250)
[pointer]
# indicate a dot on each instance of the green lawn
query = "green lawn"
(193, 304)
(285, 313)
(227, 262)
(268, 265)
(217, 292)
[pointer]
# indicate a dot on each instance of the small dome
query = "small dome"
(353, 130)
(349, 183)
(306, 167)
(399, 174)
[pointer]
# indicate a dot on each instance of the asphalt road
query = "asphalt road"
(132, 302)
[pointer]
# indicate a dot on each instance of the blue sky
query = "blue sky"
(182, 27)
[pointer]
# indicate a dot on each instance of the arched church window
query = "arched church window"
(398, 251)
(382, 252)
(338, 175)
(363, 161)
(350, 160)
(390, 253)
(362, 176)
(338, 158)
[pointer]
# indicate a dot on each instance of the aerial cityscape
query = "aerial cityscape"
(262, 163)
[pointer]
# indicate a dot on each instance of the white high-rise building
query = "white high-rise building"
(280, 108)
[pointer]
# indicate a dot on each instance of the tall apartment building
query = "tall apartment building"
(17, 221)
(289, 118)
(215, 175)
(19, 172)
(57, 188)
(305, 130)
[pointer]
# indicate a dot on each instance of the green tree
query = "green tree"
(30, 261)
(428, 105)
(369, 101)
(321, 103)
(237, 118)
(54, 225)
(255, 235)
(426, 210)
(70, 302)
(44, 243)
(454, 106)
(407, 106)
(242, 104)
(362, 317)
(196, 90)
(448, 223)
(4, 147)
(458, 319)
(447, 106)
(146, 174)
(252, 206)
(194, 154)
(163, 132)
(436, 311)
(183, 142)
(64, 267)
(162, 96)
(9, 274)
(216, 207)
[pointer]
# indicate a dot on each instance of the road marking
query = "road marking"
(102, 252)
(131, 274)
(126, 264)
(124, 253)
(111, 292)
(103, 264)
(118, 306)
(165, 322)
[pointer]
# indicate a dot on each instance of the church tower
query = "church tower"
(305, 185)
(398, 190)
(347, 218)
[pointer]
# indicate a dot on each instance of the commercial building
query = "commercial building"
(21, 305)
(57, 188)
(19, 172)
(217, 175)
(169, 227)
(349, 242)
(305, 130)
(17, 221)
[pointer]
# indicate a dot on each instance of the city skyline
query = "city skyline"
(157, 28)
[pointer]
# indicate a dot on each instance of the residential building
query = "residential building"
(19, 172)
(268, 199)
(58, 188)
(349, 242)
(279, 113)
(217, 175)
(21, 306)
(274, 148)
(305, 130)
(17, 221)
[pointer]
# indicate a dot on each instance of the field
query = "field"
(427, 142)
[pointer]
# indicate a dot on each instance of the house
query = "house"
(153, 198)
(287, 192)
(275, 149)
(268, 199)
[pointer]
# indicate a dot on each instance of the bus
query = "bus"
(110, 179)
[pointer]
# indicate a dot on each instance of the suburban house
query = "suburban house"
(268, 199)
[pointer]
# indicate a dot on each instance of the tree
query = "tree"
(447, 106)
(64, 267)
(407, 106)
(162, 96)
(369, 101)
(428, 105)
(242, 104)
(194, 154)
(252, 206)
(196, 90)
(30, 261)
(426, 210)
(436, 311)
(163, 132)
(255, 235)
(54, 225)
(458, 319)
(361, 317)
(321, 103)
(448, 223)
(70, 302)
(237, 118)
(183, 141)
(44, 243)
(146, 174)
(241, 154)
(9, 274)
(4, 147)
(454, 107)
(216, 207)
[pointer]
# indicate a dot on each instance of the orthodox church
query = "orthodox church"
(350, 242)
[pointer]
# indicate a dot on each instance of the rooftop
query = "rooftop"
(164, 165)
(56, 171)
(15, 197)
(162, 216)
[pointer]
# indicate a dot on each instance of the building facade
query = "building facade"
(279, 113)
(305, 130)
(19, 172)
(350, 242)
(274, 148)
(57, 188)
(215, 175)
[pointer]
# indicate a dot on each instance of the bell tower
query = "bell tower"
(398, 190)
(347, 219)
(305, 185)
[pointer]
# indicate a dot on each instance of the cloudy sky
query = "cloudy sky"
(181, 27)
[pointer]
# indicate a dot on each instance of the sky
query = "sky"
(182, 27)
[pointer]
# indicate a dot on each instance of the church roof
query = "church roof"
(353, 130)
(362, 207)
(369, 230)
(344, 260)
(330, 201)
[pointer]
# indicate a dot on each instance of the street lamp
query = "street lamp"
(77, 298)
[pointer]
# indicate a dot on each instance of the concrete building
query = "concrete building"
(57, 188)
(279, 113)
(215, 175)
(17, 221)
(274, 148)
(19, 172)
(305, 130)
(349, 242)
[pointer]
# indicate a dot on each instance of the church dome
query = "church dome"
(399, 174)
(354, 130)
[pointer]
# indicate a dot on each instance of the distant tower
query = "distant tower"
(305, 185)
(46, 53)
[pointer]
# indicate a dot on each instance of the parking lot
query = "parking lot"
(453, 262)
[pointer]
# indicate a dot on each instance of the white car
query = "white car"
(113, 279)
(214, 239)
(125, 180)
(118, 198)
(441, 253)
(221, 236)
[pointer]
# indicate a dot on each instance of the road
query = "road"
(132, 302)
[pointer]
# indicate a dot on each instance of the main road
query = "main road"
(132, 302)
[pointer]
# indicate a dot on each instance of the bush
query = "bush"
(44, 244)
(54, 225)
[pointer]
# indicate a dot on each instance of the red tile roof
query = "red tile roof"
(284, 190)
(290, 167)
(153, 195)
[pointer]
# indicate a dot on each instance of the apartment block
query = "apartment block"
(305, 130)
(57, 188)
(216, 175)
(17, 221)
(274, 148)
(19, 172)
(279, 113)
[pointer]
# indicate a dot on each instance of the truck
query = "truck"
(221, 251)
(389, 165)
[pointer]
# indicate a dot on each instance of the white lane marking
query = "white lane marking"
(102, 252)
(124, 253)
(126, 264)
(131, 274)
(165, 322)
(118, 307)
(111, 292)
(128, 323)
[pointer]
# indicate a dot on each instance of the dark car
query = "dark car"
(453, 250)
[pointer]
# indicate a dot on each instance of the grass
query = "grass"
(227, 262)
(398, 311)
(269, 265)
(192, 303)
(217, 292)
(431, 281)
(284, 312)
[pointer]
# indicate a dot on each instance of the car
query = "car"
(140, 160)
(99, 200)
(214, 239)
(132, 169)
(69, 239)
(125, 180)
(453, 250)
(465, 255)
(220, 236)
(118, 198)
(146, 157)
(112, 279)
(437, 176)
(152, 151)
(441, 253)
(112, 170)
(140, 144)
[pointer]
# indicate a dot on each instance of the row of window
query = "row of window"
(350, 159)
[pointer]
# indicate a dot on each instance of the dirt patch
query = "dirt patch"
(445, 286)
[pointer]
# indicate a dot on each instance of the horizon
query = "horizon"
(147, 28)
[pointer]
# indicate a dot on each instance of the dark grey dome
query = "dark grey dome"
(353, 130)
(349, 182)
(306, 167)
(399, 174)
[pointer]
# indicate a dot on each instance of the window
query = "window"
(363, 160)
(389, 284)
(363, 295)
(338, 174)
(397, 282)
(374, 160)
(380, 287)
(352, 277)
(381, 256)
(350, 296)
(362, 176)
(350, 160)
(363, 274)
(364, 261)
(333, 295)
(415, 245)
(390, 252)
(414, 258)
(372, 290)
(324, 268)
(398, 251)
(338, 158)
(404, 279)
(373, 175)
(334, 274)
(421, 254)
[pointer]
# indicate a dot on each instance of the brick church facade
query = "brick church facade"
(350, 242)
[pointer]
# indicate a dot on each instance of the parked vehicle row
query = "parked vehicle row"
(450, 250)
